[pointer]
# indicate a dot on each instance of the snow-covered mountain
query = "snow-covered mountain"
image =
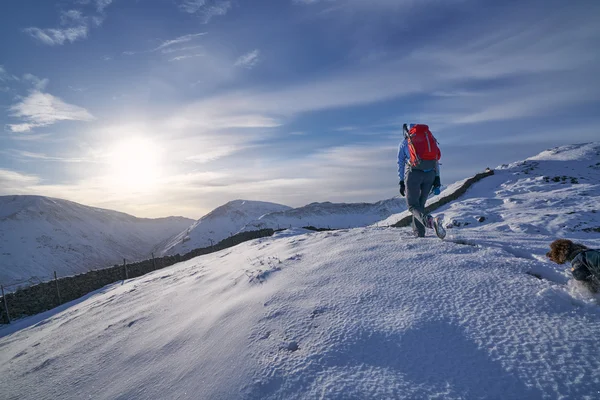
(330, 215)
(217, 225)
(366, 313)
(39, 235)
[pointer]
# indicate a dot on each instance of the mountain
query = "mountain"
(329, 215)
(366, 313)
(217, 225)
(40, 235)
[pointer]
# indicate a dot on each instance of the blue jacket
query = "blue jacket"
(404, 158)
(586, 264)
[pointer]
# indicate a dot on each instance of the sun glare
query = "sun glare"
(135, 165)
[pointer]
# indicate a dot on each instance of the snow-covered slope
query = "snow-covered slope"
(556, 193)
(39, 235)
(217, 225)
(330, 215)
(366, 313)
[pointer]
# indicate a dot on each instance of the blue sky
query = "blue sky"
(173, 107)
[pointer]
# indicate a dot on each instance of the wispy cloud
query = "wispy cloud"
(213, 154)
(178, 49)
(27, 155)
(38, 83)
(206, 9)
(185, 57)
(74, 25)
(53, 37)
(42, 109)
(248, 60)
(179, 40)
(13, 182)
(166, 47)
(102, 4)
(192, 6)
(72, 17)
(5, 76)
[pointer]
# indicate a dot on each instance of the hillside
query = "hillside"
(217, 225)
(363, 313)
(330, 215)
(39, 235)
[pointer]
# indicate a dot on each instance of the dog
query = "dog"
(585, 262)
(562, 250)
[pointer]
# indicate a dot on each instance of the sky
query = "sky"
(174, 107)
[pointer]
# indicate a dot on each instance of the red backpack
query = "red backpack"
(423, 148)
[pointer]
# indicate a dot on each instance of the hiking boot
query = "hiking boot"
(438, 225)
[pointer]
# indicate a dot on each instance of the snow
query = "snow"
(40, 235)
(330, 215)
(369, 312)
(219, 224)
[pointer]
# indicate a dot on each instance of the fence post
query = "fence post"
(5, 304)
(153, 262)
(57, 290)
(126, 271)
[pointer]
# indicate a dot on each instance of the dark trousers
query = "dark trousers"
(418, 186)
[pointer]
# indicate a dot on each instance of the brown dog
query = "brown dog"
(563, 250)
(585, 262)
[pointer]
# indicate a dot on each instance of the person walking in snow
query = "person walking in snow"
(419, 173)
(585, 262)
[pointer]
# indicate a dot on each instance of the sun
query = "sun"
(135, 164)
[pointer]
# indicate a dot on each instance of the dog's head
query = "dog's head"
(560, 250)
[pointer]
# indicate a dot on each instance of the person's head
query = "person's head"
(560, 250)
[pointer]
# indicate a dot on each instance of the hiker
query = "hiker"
(418, 166)
(585, 262)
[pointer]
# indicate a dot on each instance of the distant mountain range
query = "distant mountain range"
(40, 235)
(217, 225)
(242, 215)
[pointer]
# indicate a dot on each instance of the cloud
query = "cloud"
(206, 9)
(166, 46)
(214, 154)
(192, 6)
(27, 155)
(179, 40)
(4, 76)
(248, 60)
(53, 37)
(38, 84)
(178, 49)
(72, 17)
(102, 4)
(539, 70)
(74, 25)
(179, 58)
(13, 182)
(42, 109)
